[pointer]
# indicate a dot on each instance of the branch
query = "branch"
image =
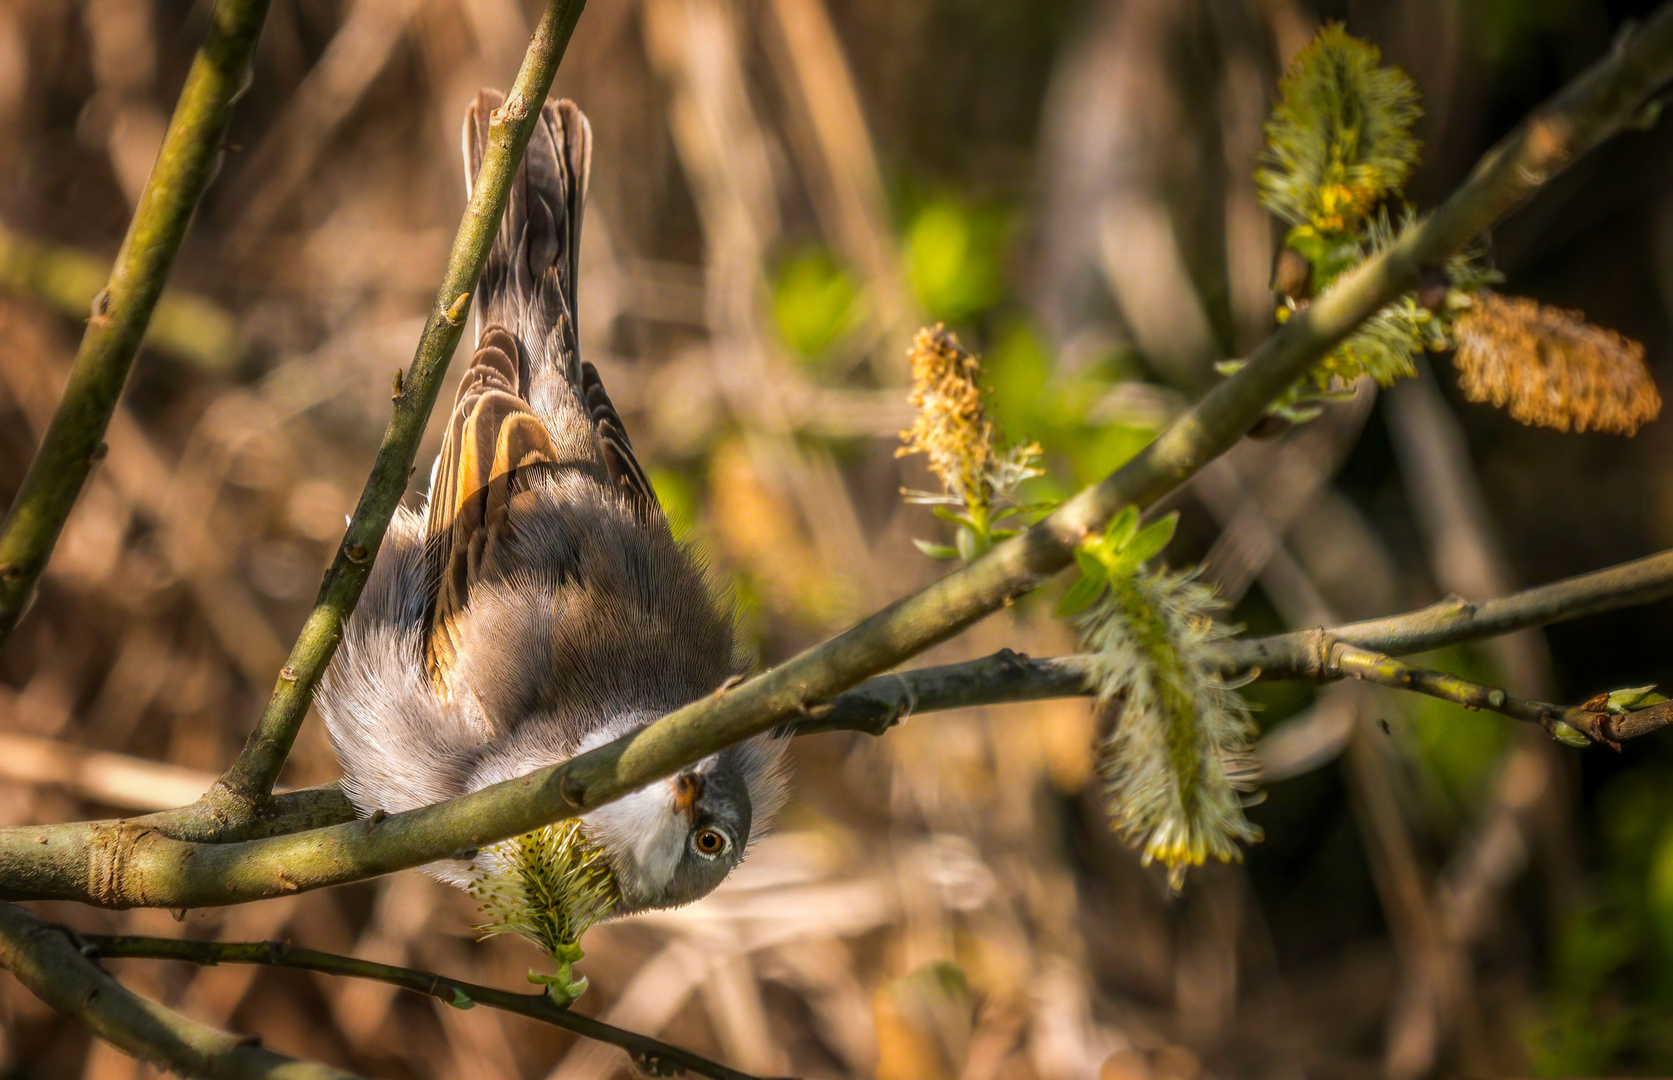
(463, 995)
(879, 703)
(1352, 662)
(185, 165)
(1454, 620)
(252, 776)
(126, 863)
(130, 865)
(46, 959)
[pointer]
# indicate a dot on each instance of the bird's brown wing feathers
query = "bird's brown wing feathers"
(493, 438)
(619, 462)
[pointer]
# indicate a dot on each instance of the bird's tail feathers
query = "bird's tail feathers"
(528, 284)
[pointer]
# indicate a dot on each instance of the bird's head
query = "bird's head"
(674, 840)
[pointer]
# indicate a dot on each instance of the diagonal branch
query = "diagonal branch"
(127, 864)
(47, 960)
(879, 703)
(251, 777)
(75, 437)
(98, 861)
(537, 1006)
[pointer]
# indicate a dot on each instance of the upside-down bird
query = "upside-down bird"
(538, 606)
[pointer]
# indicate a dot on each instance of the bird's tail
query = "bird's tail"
(528, 284)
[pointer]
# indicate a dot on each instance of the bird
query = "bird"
(536, 605)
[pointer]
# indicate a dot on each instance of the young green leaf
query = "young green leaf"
(1150, 540)
(1569, 735)
(1080, 596)
(1634, 698)
(936, 551)
(1121, 530)
(947, 513)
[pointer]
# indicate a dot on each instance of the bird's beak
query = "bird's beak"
(688, 788)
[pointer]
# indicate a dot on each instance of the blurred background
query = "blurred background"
(783, 190)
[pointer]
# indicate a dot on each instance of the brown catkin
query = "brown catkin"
(951, 427)
(1550, 367)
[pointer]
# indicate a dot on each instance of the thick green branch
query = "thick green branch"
(252, 776)
(47, 960)
(133, 865)
(460, 994)
(123, 863)
(184, 167)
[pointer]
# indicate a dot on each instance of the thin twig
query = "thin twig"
(1456, 620)
(185, 165)
(252, 776)
(47, 960)
(1352, 662)
(455, 992)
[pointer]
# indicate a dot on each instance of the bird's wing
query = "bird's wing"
(619, 462)
(492, 440)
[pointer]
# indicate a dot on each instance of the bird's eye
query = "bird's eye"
(711, 842)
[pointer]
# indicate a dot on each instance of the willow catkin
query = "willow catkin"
(1549, 367)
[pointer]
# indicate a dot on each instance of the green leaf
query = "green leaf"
(947, 513)
(970, 545)
(1091, 566)
(1121, 530)
(1634, 698)
(935, 551)
(1080, 595)
(1150, 540)
(1569, 735)
(461, 1000)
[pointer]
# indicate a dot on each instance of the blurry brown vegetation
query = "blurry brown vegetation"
(782, 191)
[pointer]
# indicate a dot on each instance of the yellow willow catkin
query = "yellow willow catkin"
(1175, 762)
(1550, 367)
(1340, 138)
(548, 886)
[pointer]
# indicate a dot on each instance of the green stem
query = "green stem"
(252, 776)
(48, 961)
(456, 992)
(74, 438)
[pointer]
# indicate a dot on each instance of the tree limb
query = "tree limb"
(96, 861)
(252, 776)
(47, 960)
(1456, 620)
(185, 165)
(460, 994)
